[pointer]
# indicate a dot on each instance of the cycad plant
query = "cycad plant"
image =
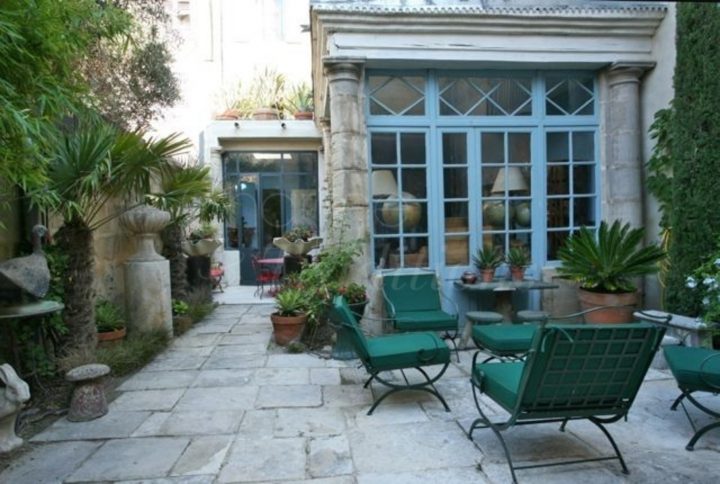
(607, 263)
(95, 174)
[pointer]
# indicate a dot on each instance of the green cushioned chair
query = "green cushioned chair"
(401, 351)
(695, 370)
(572, 372)
(413, 303)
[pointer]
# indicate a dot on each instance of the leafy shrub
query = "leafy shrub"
(108, 316)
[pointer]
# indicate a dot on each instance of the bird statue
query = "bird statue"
(27, 274)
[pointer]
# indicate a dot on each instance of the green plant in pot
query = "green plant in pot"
(301, 101)
(487, 260)
(518, 258)
(605, 266)
(290, 316)
(181, 319)
(110, 322)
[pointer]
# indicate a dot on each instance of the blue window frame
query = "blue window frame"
(511, 161)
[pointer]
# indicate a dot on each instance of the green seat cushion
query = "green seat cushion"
(685, 364)
(504, 338)
(407, 350)
(500, 381)
(484, 317)
(425, 321)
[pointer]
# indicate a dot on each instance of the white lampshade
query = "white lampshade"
(383, 183)
(515, 180)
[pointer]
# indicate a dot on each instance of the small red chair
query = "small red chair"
(263, 275)
(216, 275)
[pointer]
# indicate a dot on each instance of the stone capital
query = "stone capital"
(342, 70)
(627, 72)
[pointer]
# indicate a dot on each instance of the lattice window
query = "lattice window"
(397, 96)
(569, 96)
(484, 96)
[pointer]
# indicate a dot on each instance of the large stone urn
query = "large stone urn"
(147, 273)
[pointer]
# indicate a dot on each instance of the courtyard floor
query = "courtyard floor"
(221, 405)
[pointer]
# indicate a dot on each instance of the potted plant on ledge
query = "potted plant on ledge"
(487, 260)
(518, 259)
(290, 316)
(605, 265)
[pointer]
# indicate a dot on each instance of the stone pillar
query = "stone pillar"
(349, 170)
(624, 165)
(147, 273)
(325, 174)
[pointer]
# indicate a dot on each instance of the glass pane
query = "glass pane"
(416, 252)
(495, 215)
(457, 96)
(511, 181)
(383, 248)
(414, 217)
(521, 213)
(495, 241)
(519, 147)
(454, 148)
(522, 241)
(557, 148)
(558, 212)
(412, 148)
(383, 149)
(509, 97)
(583, 146)
(457, 250)
(558, 180)
(396, 95)
(569, 96)
(493, 148)
(583, 179)
(584, 211)
(413, 182)
(384, 183)
(456, 217)
(489, 175)
(385, 218)
(455, 181)
(555, 240)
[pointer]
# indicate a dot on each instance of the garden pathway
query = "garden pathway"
(218, 406)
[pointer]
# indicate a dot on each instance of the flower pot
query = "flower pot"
(626, 302)
(108, 339)
(265, 114)
(287, 328)
(303, 115)
(517, 273)
(487, 275)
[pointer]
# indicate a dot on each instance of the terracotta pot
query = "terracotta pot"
(110, 338)
(265, 114)
(287, 328)
(487, 275)
(589, 300)
(306, 115)
(517, 273)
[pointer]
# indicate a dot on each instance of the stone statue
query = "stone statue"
(11, 402)
(28, 274)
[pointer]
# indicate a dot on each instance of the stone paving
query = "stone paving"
(219, 407)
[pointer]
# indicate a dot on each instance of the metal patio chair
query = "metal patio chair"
(401, 352)
(413, 302)
(572, 372)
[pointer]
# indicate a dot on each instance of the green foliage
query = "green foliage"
(659, 166)
(695, 143)
(301, 98)
(487, 258)
(108, 316)
(705, 284)
(199, 311)
(136, 351)
(518, 257)
(609, 262)
(179, 307)
(290, 302)
(299, 232)
(267, 89)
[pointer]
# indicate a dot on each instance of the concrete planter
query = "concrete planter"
(200, 247)
(297, 247)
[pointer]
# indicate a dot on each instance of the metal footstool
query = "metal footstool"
(531, 316)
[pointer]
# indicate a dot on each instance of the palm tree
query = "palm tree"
(94, 165)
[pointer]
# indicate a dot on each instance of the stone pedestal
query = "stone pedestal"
(88, 400)
(147, 273)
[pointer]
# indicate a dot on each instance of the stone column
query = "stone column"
(349, 170)
(147, 273)
(325, 176)
(624, 165)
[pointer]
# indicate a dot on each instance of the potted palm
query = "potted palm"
(110, 323)
(301, 101)
(605, 265)
(487, 260)
(290, 316)
(518, 259)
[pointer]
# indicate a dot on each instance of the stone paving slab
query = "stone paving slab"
(195, 340)
(131, 459)
(282, 376)
(176, 362)
(221, 398)
(245, 339)
(312, 422)
(457, 475)
(329, 456)
(209, 479)
(205, 455)
(325, 376)
(193, 422)
(244, 361)
(49, 463)
(113, 425)
(283, 396)
(158, 380)
(223, 378)
(261, 460)
(147, 400)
